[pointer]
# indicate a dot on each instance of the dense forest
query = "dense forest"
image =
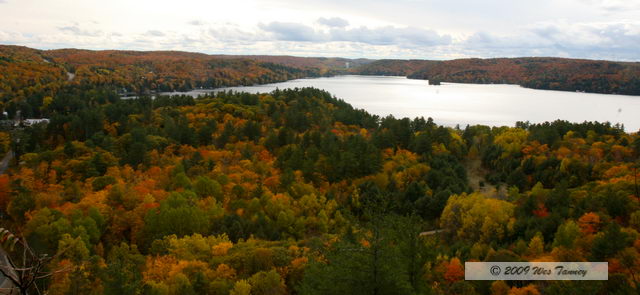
(30, 78)
(534, 72)
(297, 192)
(393, 67)
(289, 192)
(539, 73)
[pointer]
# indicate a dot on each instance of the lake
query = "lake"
(453, 103)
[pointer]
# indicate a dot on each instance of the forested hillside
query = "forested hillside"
(30, 78)
(538, 73)
(393, 67)
(181, 71)
(296, 192)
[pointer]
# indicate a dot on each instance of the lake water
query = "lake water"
(452, 103)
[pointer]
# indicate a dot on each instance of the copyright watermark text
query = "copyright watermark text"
(536, 271)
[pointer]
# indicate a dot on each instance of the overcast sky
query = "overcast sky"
(423, 29)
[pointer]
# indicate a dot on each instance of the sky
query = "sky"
(402, 29)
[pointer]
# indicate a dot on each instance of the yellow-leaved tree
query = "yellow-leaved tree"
(474, 217)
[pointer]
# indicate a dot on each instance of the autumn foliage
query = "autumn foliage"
(295, 191)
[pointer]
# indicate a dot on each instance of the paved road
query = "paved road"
(432, 232)
(6, 161)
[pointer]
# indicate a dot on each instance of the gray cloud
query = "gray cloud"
(607, 41)
(388, 35)
(233, 35)
(292, 32)
(76, 30)
(155, 33)
(391, 35)
(334, 22)
(196, 22)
